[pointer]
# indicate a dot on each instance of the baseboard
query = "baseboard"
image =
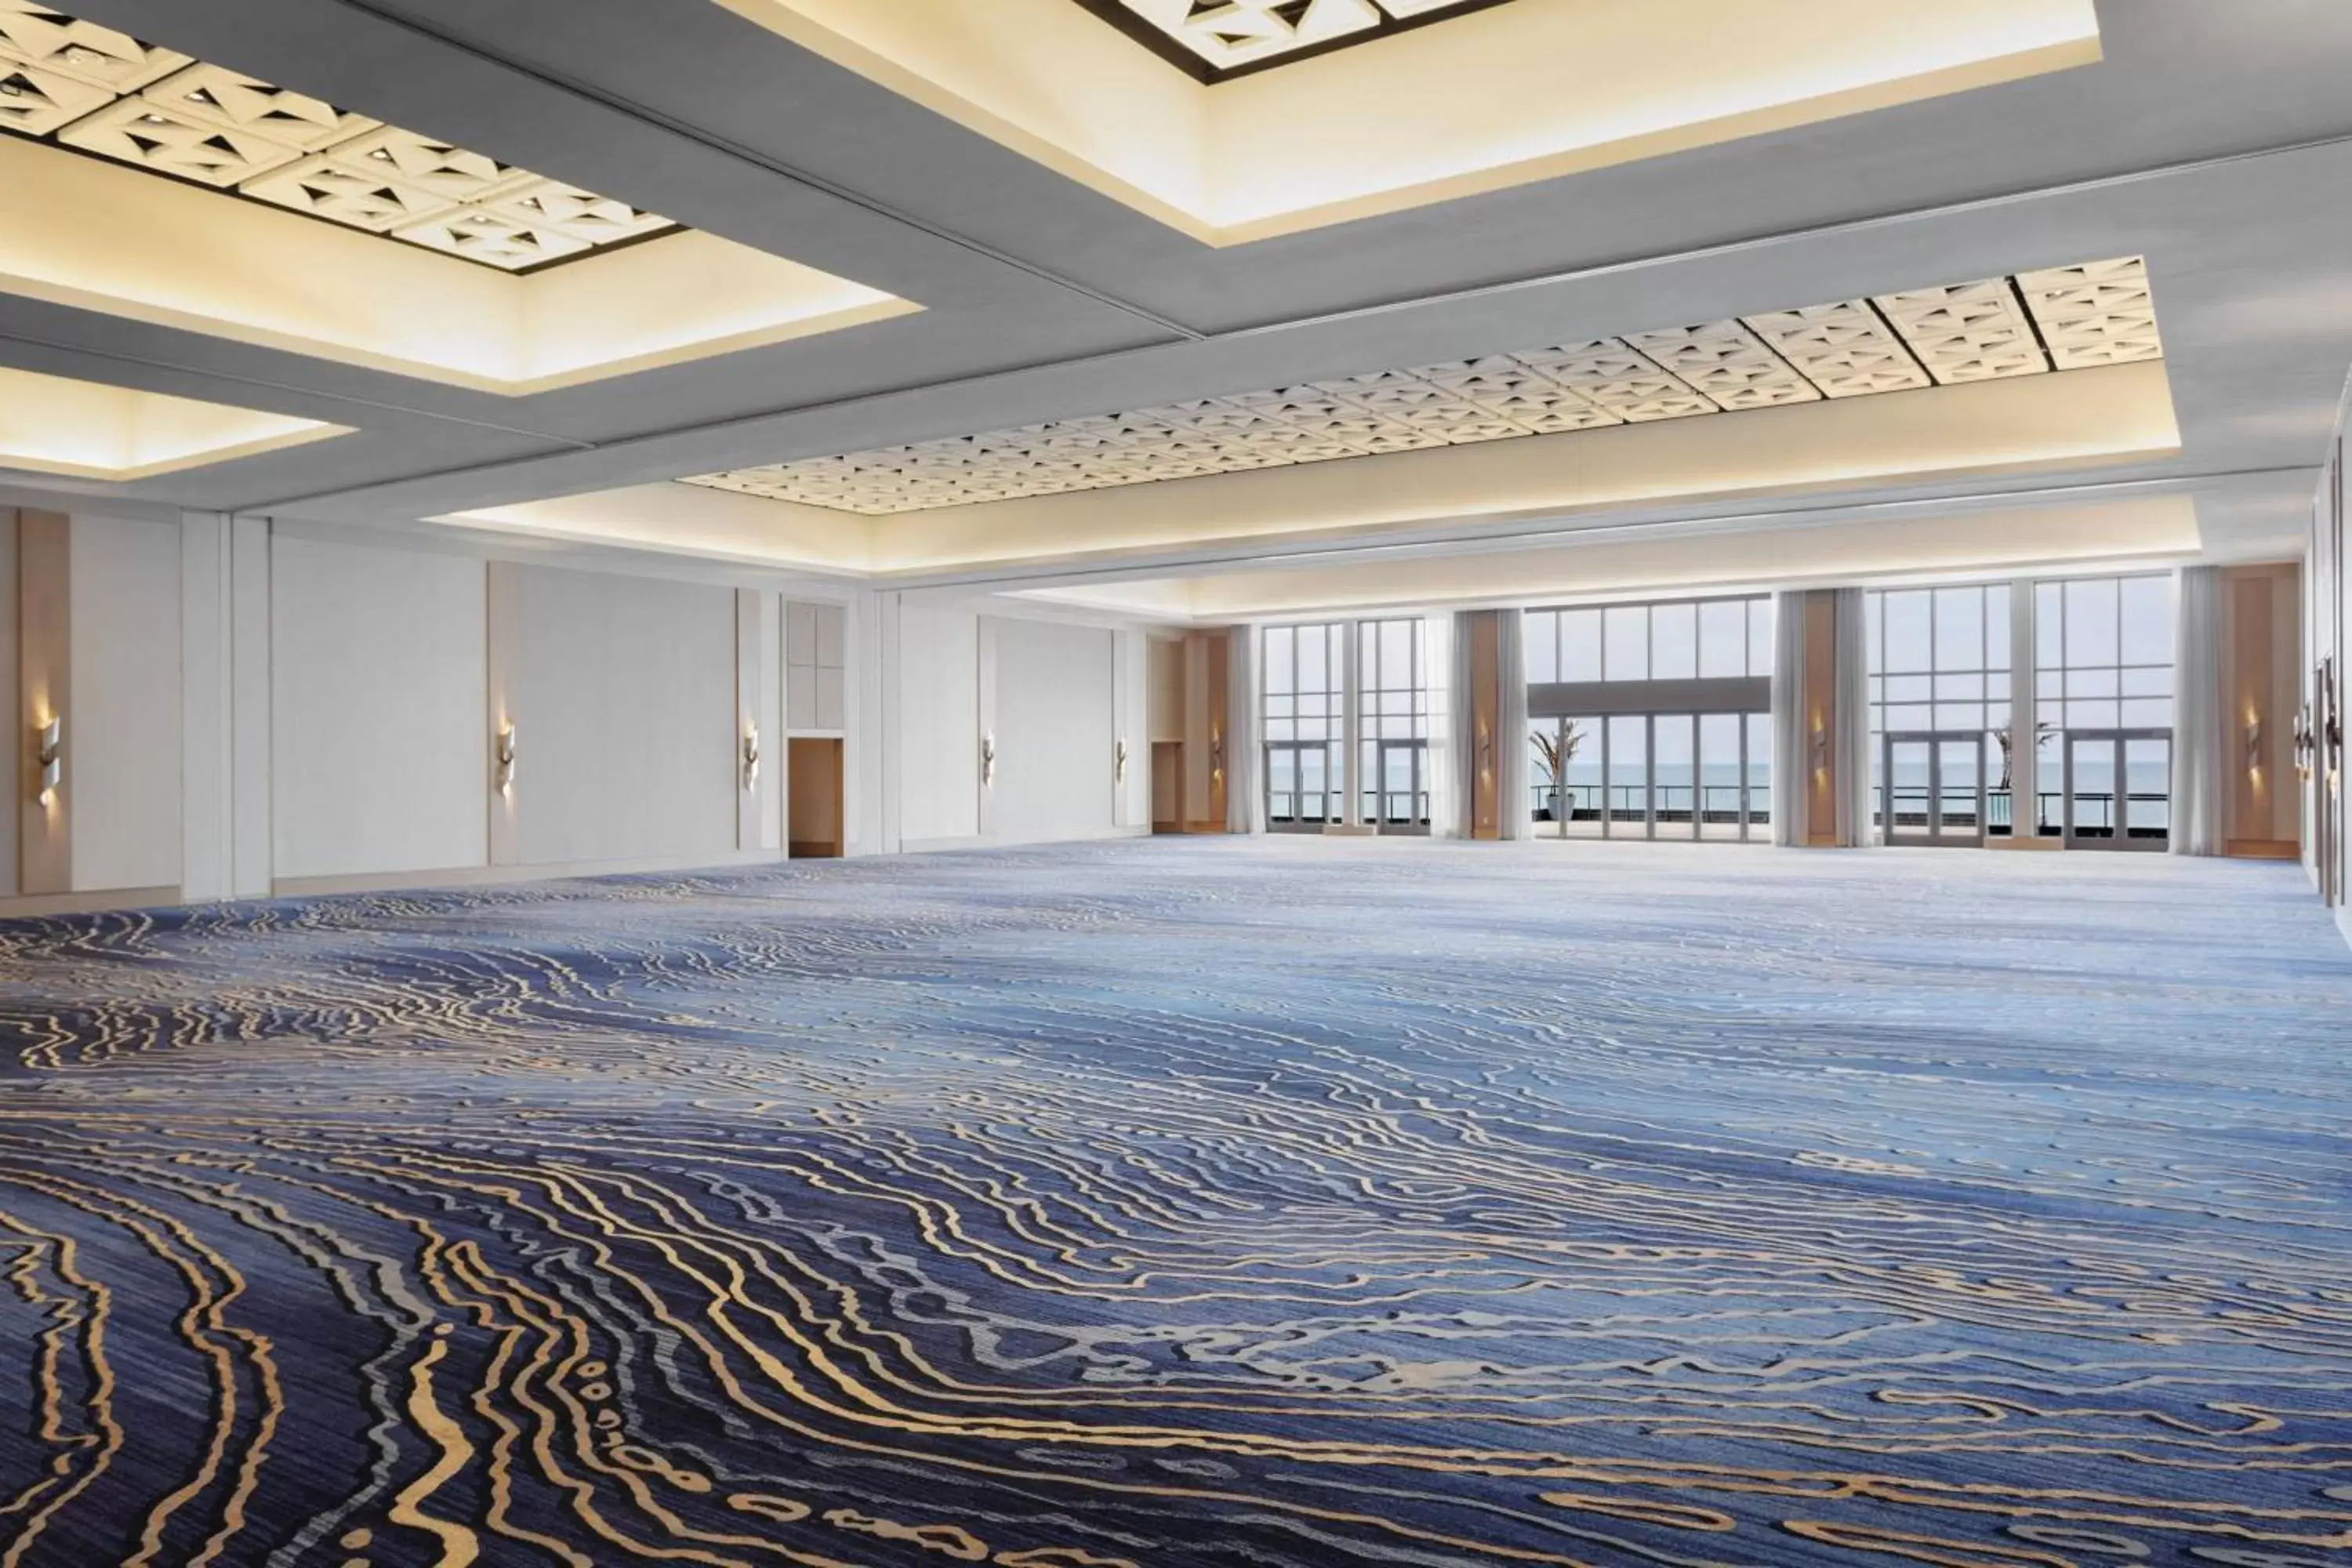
(811, 850)
(1349, 830)
(2264, 849)
(1206, 827)
(2030, 842)
(1015, 840)
(32, 906)
(507, 876)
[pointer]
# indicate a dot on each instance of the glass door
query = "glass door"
(1628, 766)
(1302, 788)
(1721, 791)
(1401, 800)
(1673, 778)
(1934, 789)
(1961, 790)
(2119, 789)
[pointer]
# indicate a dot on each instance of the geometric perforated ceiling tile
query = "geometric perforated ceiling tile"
(1215, 40)
(2067, 317)
(76, 84)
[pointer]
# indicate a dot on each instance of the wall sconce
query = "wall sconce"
(1216, 756)
(987, 760)
(1120, 772)
(751, 757)
(1821, 746)
(49, 758)
(2305, 745)
(505, 756)
(2254, 744)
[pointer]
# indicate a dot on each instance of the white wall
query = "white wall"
(122, 717)
(1056, 730)
(380, 751)
(255, 708)
(938, 724)
(623, 692)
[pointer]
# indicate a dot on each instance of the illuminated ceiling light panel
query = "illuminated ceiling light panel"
(2100, 313)
(83, 429)
(1216, 39)
(1968, 332)
(79, 85)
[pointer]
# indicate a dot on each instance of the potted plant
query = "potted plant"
(1556, 752)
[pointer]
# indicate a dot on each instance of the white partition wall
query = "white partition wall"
(124, 718)
(380, 754)
(938, 760)
(622, 691)
(250, 709)
(1056, 731)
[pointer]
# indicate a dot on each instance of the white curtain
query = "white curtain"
(1511, 745)
(2199, 730)
(1437, 637)
(1464, 704)
(1850, 720)
(1792, 762)
(1244, 733)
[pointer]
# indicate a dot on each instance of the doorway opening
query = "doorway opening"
(813, 794)
(1167, 786)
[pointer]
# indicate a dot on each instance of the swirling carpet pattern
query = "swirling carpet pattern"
(1277, 1204)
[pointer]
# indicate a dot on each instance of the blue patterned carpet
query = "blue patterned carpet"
(1276, 1205)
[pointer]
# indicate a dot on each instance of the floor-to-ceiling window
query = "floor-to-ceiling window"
(1305, 726)
(1940, 710)
(1652, 720)
(1348, 708)
(2103, 673)
(1948, 714)
(1392, 724)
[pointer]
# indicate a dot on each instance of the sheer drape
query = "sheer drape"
(2197, 733)
(1850, 720)
(1464, 703)
(1792, 762)
(1512, 810)
(1245, 733)
(1437, 637)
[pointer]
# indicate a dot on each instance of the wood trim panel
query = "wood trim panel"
(1485, 723)
(45, 689)
(1821, 687)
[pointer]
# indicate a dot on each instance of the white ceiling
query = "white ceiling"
(2213, 140)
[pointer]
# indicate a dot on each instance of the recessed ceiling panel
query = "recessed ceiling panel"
(1215, 40)
(75, 84)
(2071, 318)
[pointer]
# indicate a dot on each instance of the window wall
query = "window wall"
(1939, 712)
(1948, 712)
(1392, 724)
(2103, 677)
(1306, 719)
(1348, 708)
(1652, 720)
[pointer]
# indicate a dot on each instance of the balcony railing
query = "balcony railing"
(1633, 803)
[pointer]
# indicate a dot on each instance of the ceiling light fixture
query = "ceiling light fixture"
(2099, 314)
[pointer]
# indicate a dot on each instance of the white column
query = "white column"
(250, 861)
(2024, 715)
(872, 747)
(208, 734)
